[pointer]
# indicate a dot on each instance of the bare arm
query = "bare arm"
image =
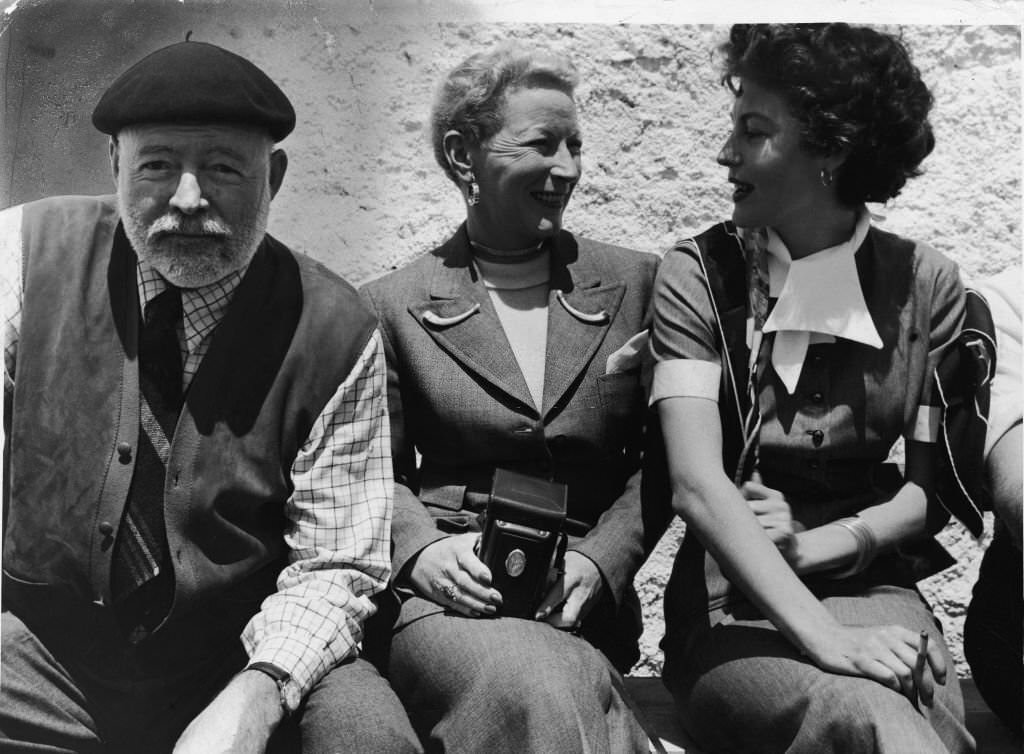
(239, 720)
(706, 499)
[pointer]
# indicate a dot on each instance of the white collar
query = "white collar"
(819, 293)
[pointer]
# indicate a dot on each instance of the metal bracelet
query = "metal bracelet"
(867, 545)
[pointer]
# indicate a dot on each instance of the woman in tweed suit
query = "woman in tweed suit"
(517, 345)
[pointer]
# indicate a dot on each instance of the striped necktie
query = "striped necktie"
(142, 579)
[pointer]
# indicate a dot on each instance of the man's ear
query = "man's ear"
(278, 167)
(456, 150)
(112, 150)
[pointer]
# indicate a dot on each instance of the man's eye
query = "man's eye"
(223, 169)
(155, 165)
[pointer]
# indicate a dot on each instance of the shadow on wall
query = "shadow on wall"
(363, 193)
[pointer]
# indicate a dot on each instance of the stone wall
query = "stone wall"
(363, 194)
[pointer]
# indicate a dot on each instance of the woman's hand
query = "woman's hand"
(449, 573)
(774, 515)
(886, 654)
(573, 594)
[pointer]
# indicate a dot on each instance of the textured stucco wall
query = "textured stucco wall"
(363, 194)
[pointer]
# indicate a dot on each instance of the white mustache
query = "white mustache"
(172, 223)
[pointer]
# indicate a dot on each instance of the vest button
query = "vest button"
(106, 528)
(817, 437)
(124, 452)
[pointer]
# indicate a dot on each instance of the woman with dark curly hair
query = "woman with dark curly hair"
(795, 346)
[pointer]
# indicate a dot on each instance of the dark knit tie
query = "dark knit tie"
(142, 579)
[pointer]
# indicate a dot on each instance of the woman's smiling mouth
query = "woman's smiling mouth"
(553, 199)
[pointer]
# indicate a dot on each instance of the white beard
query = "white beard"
(212, 251)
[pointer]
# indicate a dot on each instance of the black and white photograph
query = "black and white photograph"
(528, 377)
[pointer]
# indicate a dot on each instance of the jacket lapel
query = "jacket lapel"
(476, 341)
(578, 319)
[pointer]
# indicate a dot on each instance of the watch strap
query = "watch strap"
(286, 690)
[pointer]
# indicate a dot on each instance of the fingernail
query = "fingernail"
(490, 609)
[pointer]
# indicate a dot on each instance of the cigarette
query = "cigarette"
(922, 654)
(922, 658)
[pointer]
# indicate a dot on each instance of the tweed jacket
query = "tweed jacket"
(458, 399)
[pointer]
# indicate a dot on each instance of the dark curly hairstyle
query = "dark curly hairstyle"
(852, 89)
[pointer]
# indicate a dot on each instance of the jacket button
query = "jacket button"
(124, 452)
(106, 528)
(818, 397)
(817, 437)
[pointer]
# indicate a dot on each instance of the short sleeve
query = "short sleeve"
(946, 304)
(683, 342)
(1004, 292)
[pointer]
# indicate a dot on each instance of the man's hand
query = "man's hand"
(239, 720)
(449, 573)
(573, 594)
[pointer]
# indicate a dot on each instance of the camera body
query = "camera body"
(522, 537)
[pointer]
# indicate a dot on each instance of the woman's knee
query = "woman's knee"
(860, 715)
(355, 706)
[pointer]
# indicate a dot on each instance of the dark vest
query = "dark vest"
(290, 336)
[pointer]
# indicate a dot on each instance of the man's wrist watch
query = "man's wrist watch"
(287, 689)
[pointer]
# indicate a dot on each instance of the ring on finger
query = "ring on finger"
(451, 592)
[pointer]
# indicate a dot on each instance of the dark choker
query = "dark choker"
(516, 256)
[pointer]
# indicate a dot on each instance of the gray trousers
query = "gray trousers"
(741, 686)
(507, 685)
(48, 703)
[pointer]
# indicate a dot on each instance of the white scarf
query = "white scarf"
(818, 295)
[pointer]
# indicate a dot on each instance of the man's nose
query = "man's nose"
(188, 197)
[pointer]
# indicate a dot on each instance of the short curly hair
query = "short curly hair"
(851, 88)
(471, 98)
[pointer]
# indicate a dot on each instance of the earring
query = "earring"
(826, 177)
(474, 193)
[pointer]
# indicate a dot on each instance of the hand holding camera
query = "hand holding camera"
(449, 573)
(574, 592)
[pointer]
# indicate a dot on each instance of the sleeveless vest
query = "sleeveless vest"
(290, 336)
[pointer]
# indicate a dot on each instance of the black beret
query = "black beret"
(194, 82)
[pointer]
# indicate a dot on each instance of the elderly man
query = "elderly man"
(198, 446)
